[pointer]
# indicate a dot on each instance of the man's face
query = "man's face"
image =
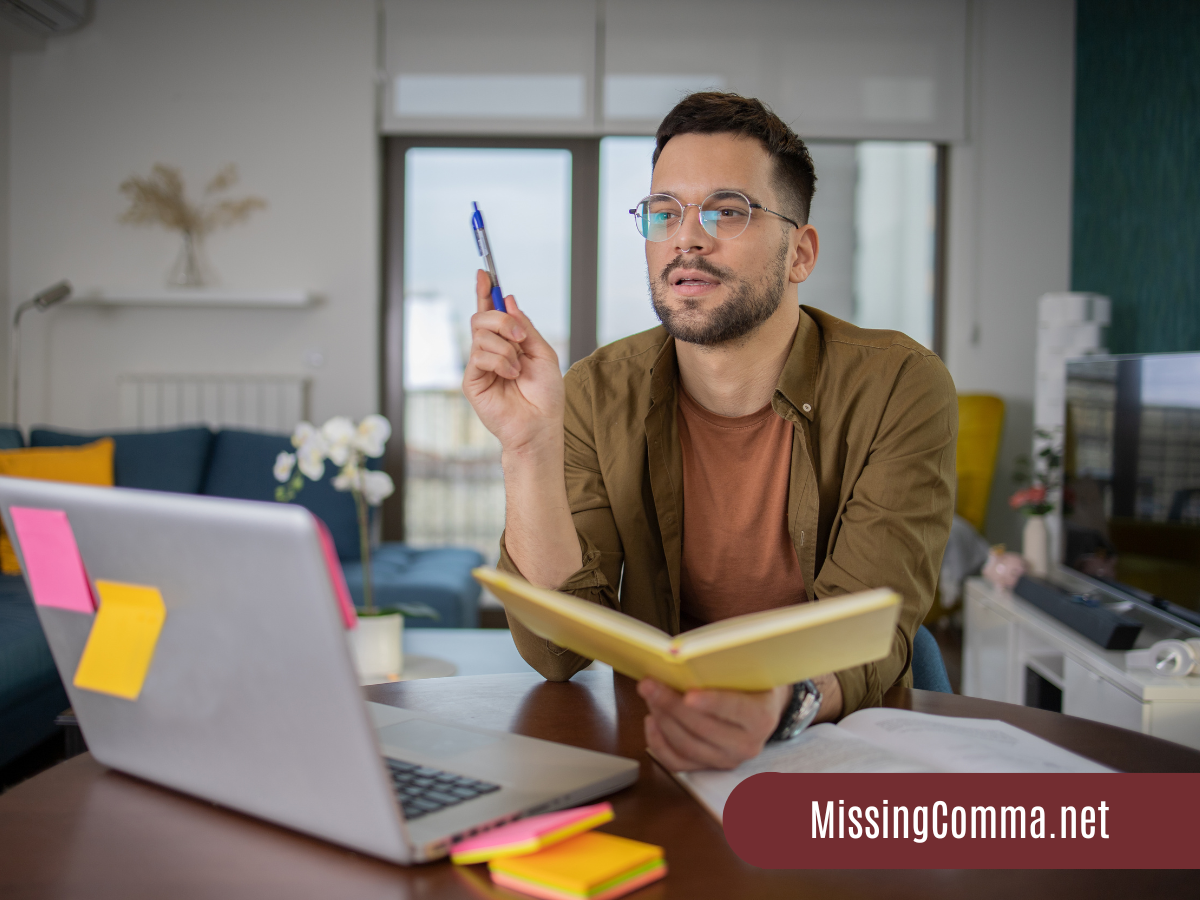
(708, 291)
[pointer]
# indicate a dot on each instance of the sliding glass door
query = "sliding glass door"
(454, 492)
(530, 193)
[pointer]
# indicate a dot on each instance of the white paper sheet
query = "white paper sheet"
(964, 745)
(894, 740)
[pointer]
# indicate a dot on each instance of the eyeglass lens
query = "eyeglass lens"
(723, 215)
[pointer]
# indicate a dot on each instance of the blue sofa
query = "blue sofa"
(227, 463)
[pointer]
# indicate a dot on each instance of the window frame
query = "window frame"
(585, 237)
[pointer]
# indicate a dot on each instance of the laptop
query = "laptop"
(251, 700)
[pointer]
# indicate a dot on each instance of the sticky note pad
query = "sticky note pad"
(530, 835)
(589, 866)
(56, 574)
(121, 644)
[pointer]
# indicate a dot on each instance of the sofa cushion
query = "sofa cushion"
(173, 460)
(26, 666)
(439, 577)
(11, 438)
(83, 464)
(243, 464)
(31, 694)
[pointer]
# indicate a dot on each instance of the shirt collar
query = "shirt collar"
(797, 382)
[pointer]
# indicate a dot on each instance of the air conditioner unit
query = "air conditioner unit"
(45, 18)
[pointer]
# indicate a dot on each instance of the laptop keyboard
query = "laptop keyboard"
(422, 790)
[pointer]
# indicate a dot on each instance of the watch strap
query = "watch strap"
(802, 708)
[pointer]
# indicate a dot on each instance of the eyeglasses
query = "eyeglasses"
(723, 214)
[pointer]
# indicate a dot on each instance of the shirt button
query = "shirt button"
(806, 407)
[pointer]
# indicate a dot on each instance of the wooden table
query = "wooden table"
(80, 830)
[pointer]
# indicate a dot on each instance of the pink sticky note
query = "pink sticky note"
(337, 576)
(527, 836)
(52, 561)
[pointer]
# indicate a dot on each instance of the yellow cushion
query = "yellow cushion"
(84, 464)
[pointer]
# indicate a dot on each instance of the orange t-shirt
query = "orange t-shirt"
(738, 556)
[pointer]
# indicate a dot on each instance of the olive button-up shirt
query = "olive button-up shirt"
(870, 495)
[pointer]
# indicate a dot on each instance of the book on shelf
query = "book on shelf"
(754, 652)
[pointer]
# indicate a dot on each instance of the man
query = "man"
(748, 454)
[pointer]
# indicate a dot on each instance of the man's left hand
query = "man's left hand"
(720, 729)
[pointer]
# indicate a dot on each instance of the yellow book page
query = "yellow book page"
(750, 653)
(580, 863)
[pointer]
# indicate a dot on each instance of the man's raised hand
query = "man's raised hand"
(512, 377)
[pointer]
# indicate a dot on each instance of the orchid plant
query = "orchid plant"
(1043, 476)
(347, 446)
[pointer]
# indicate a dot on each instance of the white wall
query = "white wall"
(282, 88)
(1010, 213)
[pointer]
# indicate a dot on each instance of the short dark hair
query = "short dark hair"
(717, 112)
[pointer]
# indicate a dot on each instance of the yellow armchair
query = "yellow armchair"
(980, 424)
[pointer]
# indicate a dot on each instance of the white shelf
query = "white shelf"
(197, 297)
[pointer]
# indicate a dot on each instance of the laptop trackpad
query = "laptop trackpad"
(432, 738)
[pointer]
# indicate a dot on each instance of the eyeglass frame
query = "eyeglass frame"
(699, 208)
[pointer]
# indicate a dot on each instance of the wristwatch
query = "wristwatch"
(799, 713)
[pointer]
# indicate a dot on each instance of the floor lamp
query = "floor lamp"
(56, 293)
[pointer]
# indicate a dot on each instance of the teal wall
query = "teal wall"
(1136, 216)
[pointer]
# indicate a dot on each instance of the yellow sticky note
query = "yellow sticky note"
(121, 645)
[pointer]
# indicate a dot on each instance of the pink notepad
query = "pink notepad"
(530, 835)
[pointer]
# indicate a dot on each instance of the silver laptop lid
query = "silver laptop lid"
(250, 699)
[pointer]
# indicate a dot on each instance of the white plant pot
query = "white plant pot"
(377, 647)
(1035, 546)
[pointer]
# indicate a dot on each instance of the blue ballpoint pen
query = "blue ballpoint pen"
(485, 250)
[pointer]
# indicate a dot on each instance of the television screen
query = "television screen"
(1131, 466)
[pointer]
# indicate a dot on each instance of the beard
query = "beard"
(748, 306)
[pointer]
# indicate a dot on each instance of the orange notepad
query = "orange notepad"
(590, 866)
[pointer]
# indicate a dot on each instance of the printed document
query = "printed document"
(894, 740)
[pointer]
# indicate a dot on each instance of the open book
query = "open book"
(894, 740)
(753, 652)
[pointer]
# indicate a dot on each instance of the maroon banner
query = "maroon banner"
(953, 821)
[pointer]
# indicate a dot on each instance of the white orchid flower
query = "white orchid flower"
(376, 486)
(338, 433)
(373, 433)
(303, 434)
(311, 458)
(284, 463)
(349, 479)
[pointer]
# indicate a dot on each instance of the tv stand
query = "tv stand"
(1015, 653)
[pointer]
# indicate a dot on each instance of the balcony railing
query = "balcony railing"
(455, 488)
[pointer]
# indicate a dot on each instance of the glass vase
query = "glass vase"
(1035, 546)
(191, 269)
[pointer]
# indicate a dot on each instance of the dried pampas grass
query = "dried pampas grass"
(160, 199)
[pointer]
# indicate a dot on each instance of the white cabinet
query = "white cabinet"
(1089, 696)
(985, 667)
(1011, 650)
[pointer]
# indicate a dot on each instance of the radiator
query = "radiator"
(257, 402)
